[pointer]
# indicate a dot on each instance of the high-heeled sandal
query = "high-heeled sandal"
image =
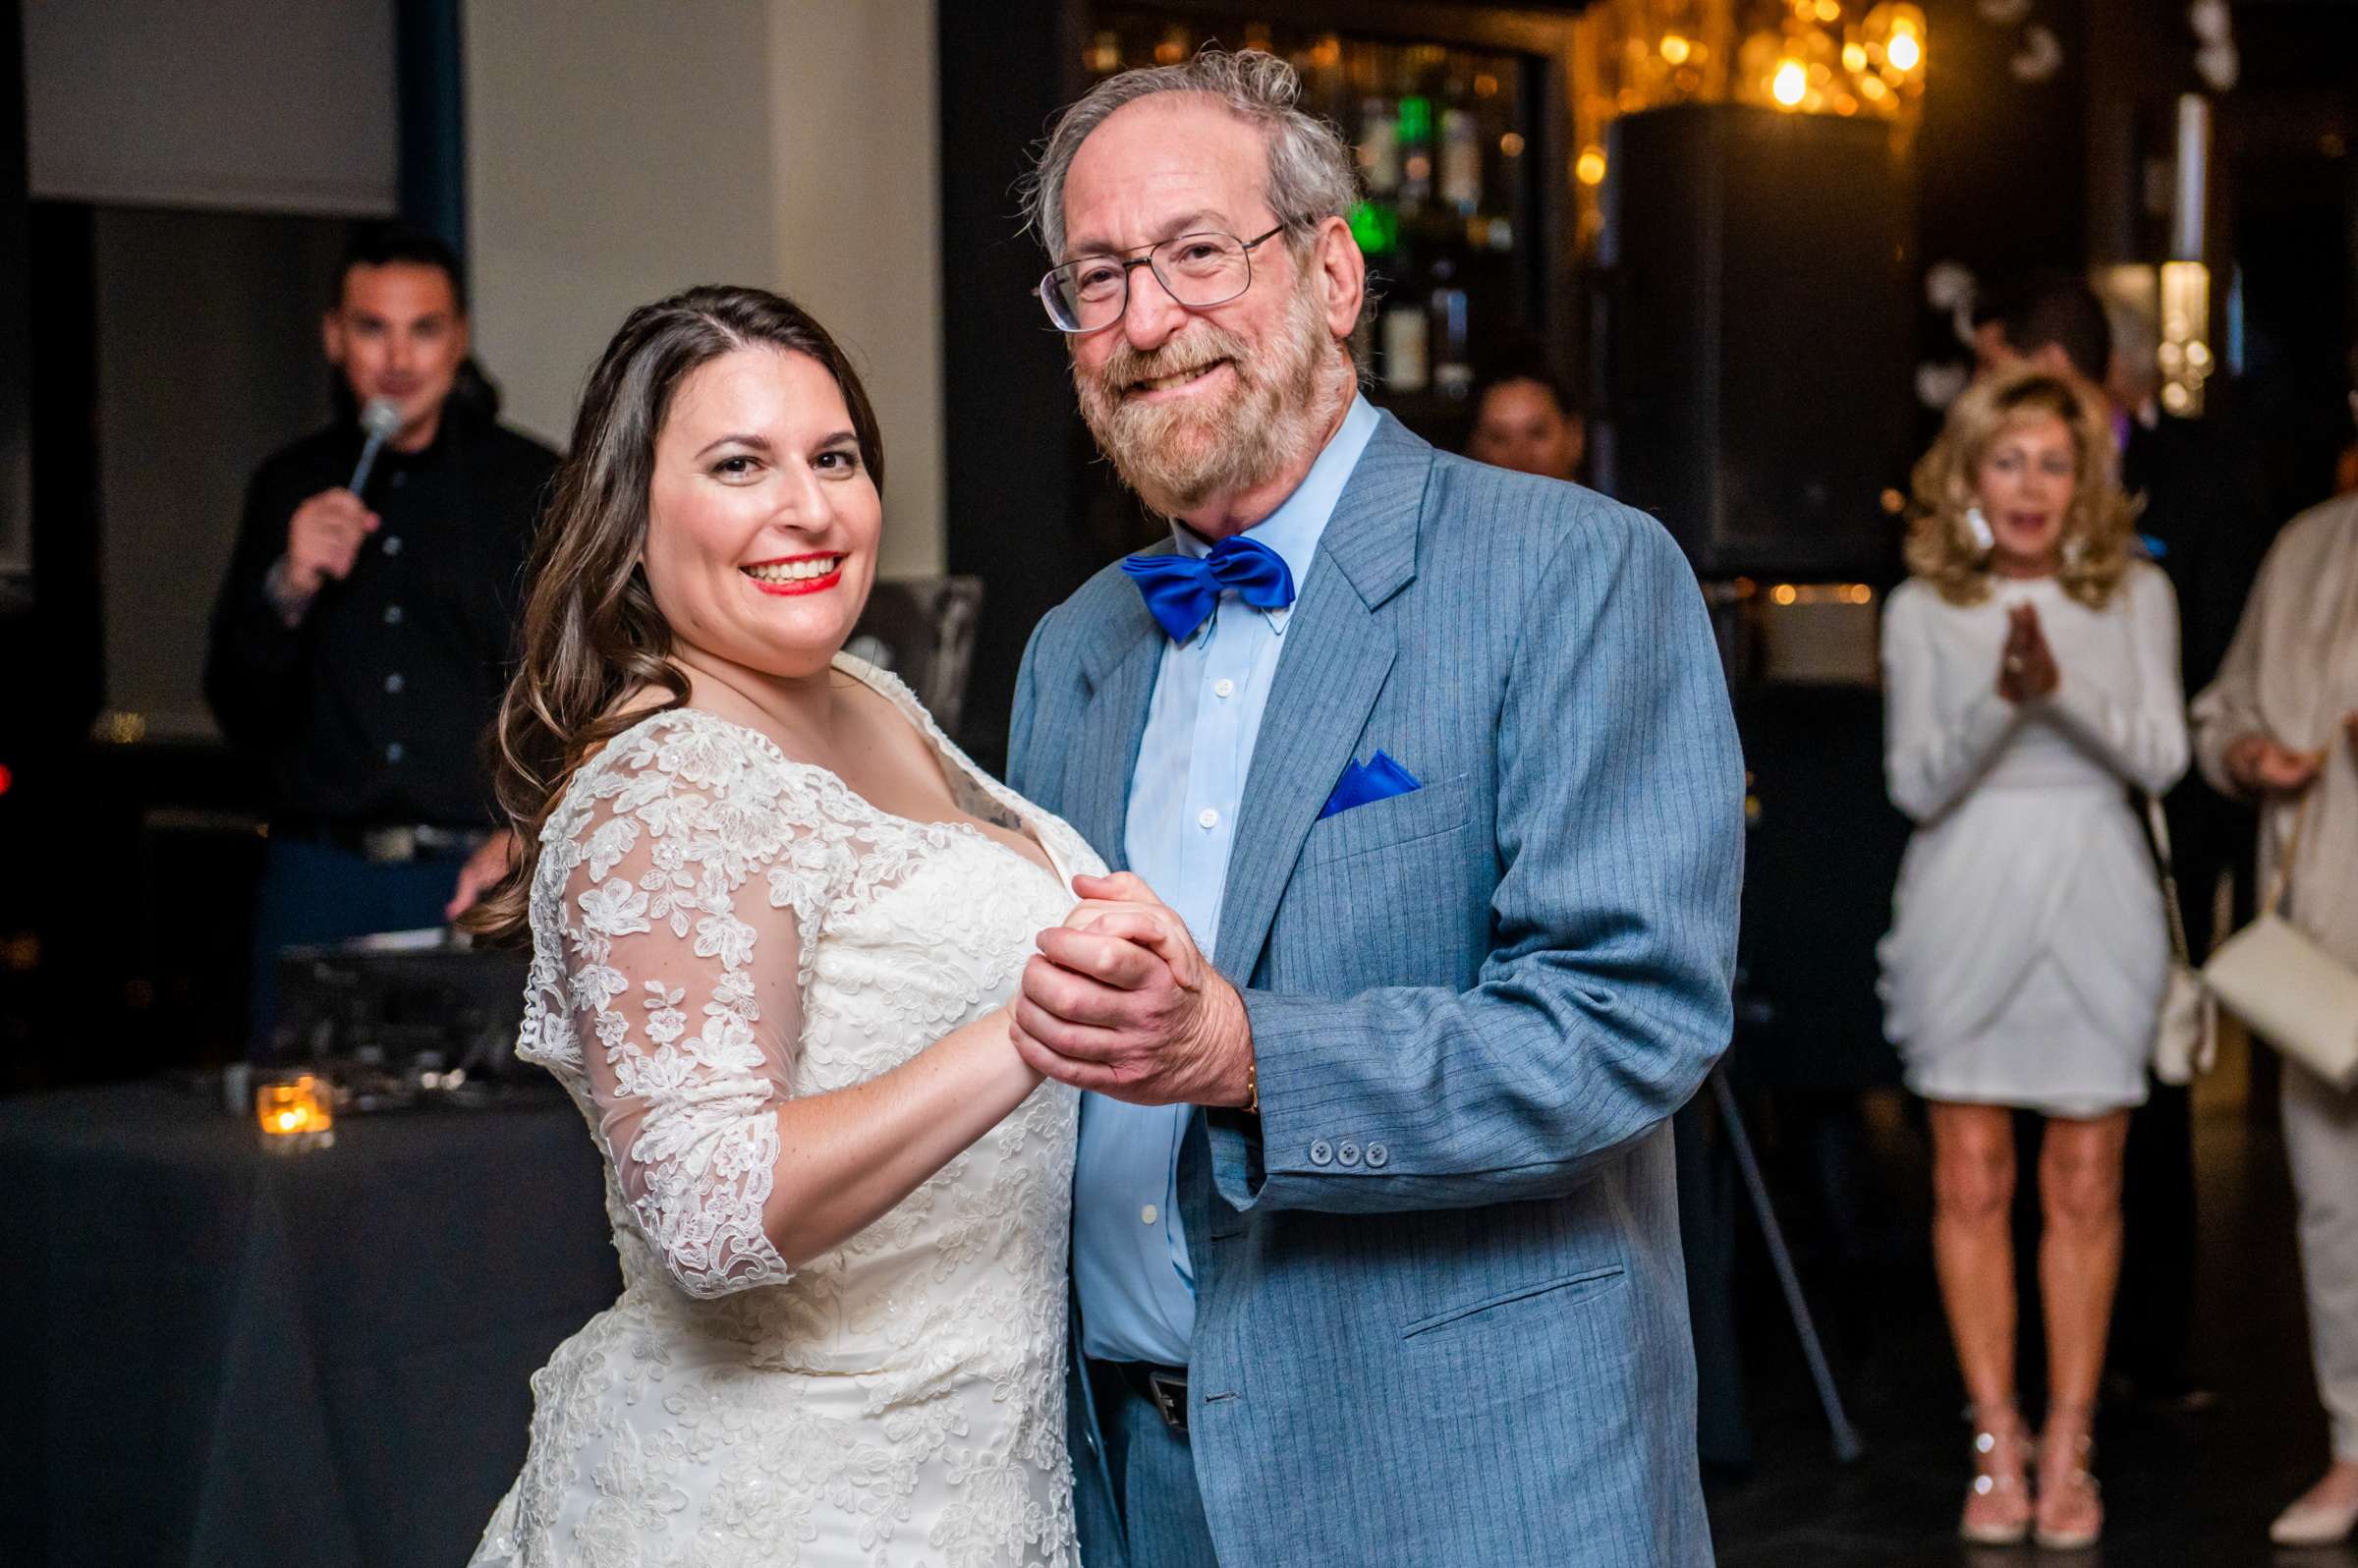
(1998, 1505)
(2311, 1521)
(2072, 1507)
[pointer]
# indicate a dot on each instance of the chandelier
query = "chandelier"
(1838, 57)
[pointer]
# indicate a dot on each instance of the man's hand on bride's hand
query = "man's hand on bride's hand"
(1120, 1000)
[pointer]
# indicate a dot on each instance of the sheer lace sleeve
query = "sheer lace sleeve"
(686, 875)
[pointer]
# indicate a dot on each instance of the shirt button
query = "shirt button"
(1208, 819)
(1321, 1153)
(393, 752)
(1223, 687)
(1378, 1156)
(392, 615)
(1346, 1154)
(392, 545)
(393, 682)
(1149, 1214)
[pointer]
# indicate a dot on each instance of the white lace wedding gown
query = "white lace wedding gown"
(715, 928)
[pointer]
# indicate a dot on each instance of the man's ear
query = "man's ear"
(1345, 273)
(332, 336)
(465, 336)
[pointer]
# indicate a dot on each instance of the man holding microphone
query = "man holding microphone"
(361, 635)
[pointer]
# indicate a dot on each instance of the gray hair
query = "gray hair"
(1313, 175)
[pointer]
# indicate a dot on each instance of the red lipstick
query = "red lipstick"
(794, 587)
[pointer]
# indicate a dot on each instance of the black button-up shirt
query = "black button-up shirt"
(373, 709)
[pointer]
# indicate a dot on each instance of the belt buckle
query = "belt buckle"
(389, 845)
(1169, 1394)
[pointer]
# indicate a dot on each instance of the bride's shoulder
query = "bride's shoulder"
(679, 755)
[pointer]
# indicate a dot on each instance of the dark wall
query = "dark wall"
(2003, 162)
(1018, 470)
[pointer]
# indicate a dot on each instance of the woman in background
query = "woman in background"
(2031, 671)
(2280, 727)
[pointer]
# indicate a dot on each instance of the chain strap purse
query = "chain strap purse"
(2186, 1037)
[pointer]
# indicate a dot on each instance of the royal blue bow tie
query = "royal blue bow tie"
(1181, 589)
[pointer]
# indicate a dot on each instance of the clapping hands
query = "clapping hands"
(2026, 669)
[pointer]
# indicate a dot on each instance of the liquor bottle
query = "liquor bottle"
(1405, 367)
(1416, 152)
(1461, 162)
(1380, 147)
(1452, 368)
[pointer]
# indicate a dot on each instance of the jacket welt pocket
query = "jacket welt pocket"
(1396, 820)
(1599, 1280)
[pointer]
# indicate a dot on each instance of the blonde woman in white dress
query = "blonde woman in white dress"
(2031, 670)
(777, 920)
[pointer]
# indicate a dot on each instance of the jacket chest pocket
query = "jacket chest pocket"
(1399, 820)
(1392, 893)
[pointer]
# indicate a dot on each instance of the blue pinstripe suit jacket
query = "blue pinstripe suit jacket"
(1440, 1308)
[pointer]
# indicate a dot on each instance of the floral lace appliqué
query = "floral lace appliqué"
(716, 928)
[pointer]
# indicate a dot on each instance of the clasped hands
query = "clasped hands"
(1120, 1000)
(2026, 669)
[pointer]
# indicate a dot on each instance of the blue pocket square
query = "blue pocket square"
(1378, 778)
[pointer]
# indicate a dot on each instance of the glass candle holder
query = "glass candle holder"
(295, 1114)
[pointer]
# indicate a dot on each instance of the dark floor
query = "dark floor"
(2179, 1489)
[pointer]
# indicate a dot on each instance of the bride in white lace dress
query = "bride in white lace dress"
(775, 917)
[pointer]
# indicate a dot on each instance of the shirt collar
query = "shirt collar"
(1293, 529)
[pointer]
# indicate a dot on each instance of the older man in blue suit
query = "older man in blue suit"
(1375, 1245)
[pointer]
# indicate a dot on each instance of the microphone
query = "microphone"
(380, 420)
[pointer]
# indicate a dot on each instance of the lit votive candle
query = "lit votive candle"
(295, 1114)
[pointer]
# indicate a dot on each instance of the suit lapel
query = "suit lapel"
(1337, 655)
(1120, 665)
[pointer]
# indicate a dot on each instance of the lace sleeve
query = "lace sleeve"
(691, 884)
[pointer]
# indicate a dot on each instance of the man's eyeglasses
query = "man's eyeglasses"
(1198, 270)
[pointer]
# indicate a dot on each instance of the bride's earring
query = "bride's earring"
(1976, 526)
(2075, 549)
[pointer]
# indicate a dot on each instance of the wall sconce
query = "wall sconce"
(2184, 355)
(2186, 351)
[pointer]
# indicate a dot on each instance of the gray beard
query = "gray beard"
(1176, 456)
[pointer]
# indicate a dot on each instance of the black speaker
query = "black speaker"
(1758, 334)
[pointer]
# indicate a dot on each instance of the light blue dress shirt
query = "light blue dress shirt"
(1130, 1258)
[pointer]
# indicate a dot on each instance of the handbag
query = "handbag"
(2292, 993)
(2186, 1035)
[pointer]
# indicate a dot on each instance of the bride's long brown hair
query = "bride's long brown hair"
(591, 634)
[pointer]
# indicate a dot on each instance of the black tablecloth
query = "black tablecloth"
(210, 1355)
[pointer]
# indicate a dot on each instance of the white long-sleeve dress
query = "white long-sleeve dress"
(717, 928)
(2028, 953)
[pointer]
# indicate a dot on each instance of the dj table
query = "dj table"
(213, 1355)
